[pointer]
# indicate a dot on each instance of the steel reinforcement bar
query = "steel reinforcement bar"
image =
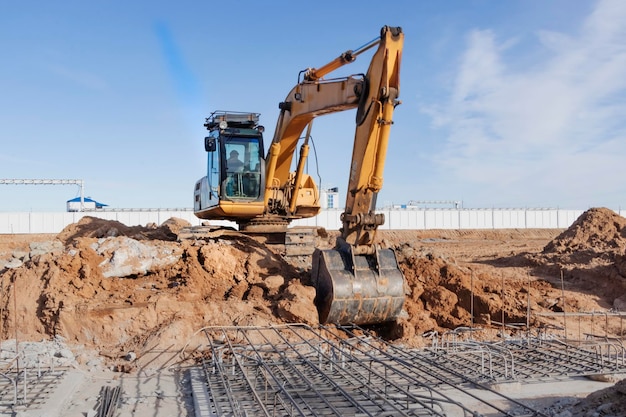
(296, 370)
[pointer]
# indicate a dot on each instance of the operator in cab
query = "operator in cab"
(233, 163)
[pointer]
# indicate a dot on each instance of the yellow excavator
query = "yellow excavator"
(357, 282)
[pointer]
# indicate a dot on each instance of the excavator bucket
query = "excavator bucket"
(357, 289)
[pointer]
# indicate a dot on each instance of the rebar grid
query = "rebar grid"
(27, 388)
(447, 378)
(296, 370)
(529, 358)
(27, 380)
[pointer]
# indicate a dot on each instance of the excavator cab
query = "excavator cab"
(233, 186)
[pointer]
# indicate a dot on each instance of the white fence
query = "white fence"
(460, 218)
(41, 222)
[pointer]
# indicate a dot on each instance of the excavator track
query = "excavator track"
(295, 244)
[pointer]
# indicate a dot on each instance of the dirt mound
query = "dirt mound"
(118, 289)
(443, 295)
(98, 228)
(598, 232)
(590, 255)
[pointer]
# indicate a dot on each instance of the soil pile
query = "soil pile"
(119, 289)
(91, 227)
(591, 256)
(444, 294)
(597, 233)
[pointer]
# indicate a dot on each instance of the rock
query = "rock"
(125, 256)
(273, 283)
(41, 248)
(21, 255)
(297, 305)
(13, 263)
(64, 353)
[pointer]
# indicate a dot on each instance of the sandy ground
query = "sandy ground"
(128, 301)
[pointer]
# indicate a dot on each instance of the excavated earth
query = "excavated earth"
(112, 289)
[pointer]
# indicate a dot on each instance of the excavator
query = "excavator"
(356, 282)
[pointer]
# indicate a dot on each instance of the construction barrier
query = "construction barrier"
(395, 219)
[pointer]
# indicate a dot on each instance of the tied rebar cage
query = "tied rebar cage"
(27, 381)
(297, 370)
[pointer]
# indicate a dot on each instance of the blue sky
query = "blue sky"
(504, 103)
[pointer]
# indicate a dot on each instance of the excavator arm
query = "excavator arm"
(358, 282)
(374, 119)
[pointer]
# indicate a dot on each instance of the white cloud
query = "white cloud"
(542, 132)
